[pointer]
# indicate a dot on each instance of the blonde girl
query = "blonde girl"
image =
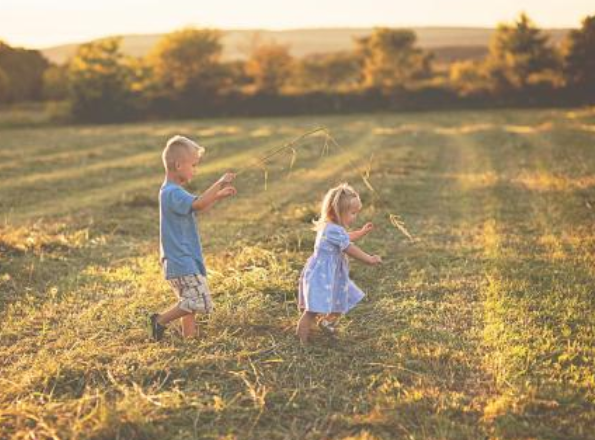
(325, 290)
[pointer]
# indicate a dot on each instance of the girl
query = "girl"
(325, 290)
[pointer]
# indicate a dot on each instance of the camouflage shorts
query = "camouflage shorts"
(193, 293)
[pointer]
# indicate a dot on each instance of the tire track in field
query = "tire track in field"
(436, 385)
(524, 263)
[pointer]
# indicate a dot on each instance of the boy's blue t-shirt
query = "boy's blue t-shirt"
(180, 247)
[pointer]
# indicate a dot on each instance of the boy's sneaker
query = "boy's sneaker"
(156, 330)
(328, 327)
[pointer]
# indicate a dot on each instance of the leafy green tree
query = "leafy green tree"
(390, 59)
(186, 64)
(24, 69)
(328, 72)
(237, 79)
(519, 54)
(100, 78)
(4, 86)
(579, 55)
(469, 77)
(269, 66)
(55, 83)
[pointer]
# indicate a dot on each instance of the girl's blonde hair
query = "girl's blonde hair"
(335, 204)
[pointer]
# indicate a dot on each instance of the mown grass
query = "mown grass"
(483, 328)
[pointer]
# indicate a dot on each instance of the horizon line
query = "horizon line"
(263, 29)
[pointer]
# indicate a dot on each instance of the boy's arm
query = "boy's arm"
(216, 192)
(355, 252)
(203, 203)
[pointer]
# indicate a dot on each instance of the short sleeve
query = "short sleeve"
(180, 201)
(337, 236)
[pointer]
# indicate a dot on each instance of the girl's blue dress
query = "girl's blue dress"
(325, 286)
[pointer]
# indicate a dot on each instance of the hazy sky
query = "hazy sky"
(41, 23)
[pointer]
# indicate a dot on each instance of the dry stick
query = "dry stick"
(393, 218)
(269, 154)
(276, 150)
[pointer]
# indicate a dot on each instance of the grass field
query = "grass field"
(484, 328)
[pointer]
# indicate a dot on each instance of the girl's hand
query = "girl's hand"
(374, 260)
(226, 179)
(228, 191)
(367, 228)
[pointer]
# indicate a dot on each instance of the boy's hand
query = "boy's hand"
(226, 179)
(367, 228)
(228, 191)
(374, 260)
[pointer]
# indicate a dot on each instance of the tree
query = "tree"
(519, 54)
(55, 83)
(391, 60)
(236, 75)
(269, 66)
(4, 86)
(579, 55)
(333, 71)
(100, 82)
(24, 69)
(468, 77)
(186, 64)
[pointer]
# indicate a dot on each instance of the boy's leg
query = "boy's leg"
(172, 314)
(194, 295)
(157, 322)
(189, 327)
(178, 285)
(304, 325)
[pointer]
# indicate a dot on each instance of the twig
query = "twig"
(394, 219)
(269, 154)
(274, 151)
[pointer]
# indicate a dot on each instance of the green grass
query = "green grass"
(483, 328)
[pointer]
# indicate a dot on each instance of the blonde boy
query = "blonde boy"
(180, 245)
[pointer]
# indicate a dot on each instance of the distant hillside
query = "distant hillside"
(447, 43)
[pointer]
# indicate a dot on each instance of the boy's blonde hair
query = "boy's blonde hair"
(335, 204)
(175, 148)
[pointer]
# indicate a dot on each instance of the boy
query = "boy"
(180, 247)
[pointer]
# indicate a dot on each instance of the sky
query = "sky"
(44, 23)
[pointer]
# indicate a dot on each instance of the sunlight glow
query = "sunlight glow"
(38, 23)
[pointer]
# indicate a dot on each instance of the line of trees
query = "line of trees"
(185, 75)
(21, 74)
(521, 58)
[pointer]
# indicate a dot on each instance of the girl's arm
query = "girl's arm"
(216, 192)
(355, 252)
(365, 230)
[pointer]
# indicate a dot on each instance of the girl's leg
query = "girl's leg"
(189, 327)
(328, 322)
(304, 324)
(329, 317)
(333, 317)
